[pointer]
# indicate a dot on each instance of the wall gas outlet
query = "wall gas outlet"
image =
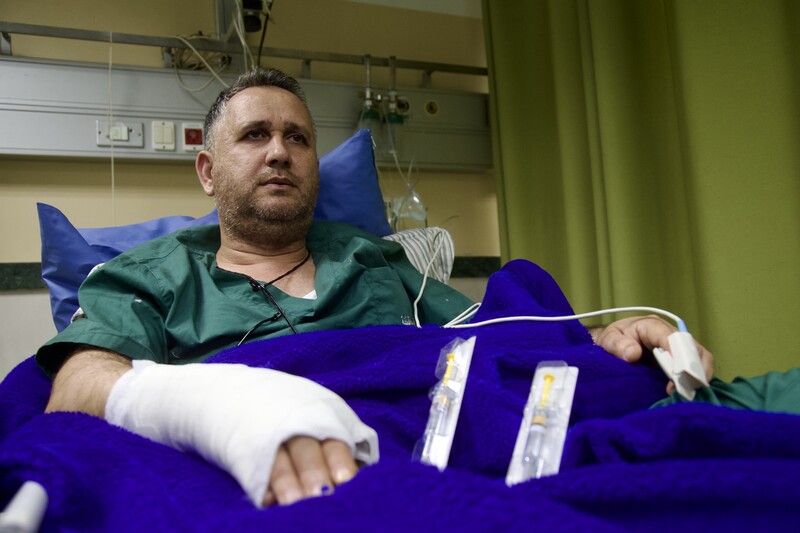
(128, 134)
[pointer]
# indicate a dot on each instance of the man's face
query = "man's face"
(264, 165)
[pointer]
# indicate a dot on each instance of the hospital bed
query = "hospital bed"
(625, 466)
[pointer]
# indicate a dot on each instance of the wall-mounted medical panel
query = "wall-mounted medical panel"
(70, 109)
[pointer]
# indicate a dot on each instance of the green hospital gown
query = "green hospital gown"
(775, 391)
(167, 300)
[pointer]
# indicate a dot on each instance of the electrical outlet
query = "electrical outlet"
(128, 134)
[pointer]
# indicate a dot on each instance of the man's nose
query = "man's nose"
(277, 152)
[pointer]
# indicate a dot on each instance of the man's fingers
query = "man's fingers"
(310, 465)
(617, 339)
(268, 499)
(652, 331)
(284, 486)
(341, 465)
(615, 342)
(707, 358)
(629, 337)
(306, 467)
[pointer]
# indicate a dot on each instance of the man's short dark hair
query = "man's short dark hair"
(257, 77)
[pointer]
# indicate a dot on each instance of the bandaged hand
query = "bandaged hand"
(306, 467)
(248, 421)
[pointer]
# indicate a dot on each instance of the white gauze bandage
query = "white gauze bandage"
(234, 416)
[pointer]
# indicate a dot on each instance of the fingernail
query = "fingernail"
(342, 475)
(291, 496)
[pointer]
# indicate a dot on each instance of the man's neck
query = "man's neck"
(267, 260)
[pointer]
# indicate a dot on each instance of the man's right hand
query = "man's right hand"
(306, 467)
(230, 429)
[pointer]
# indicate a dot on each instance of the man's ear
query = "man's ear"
(203, 164)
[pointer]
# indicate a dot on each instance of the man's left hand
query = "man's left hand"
(630, 338)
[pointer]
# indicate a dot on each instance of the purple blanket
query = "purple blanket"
(625, 467)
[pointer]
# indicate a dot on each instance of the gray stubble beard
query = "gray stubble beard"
(270, 226)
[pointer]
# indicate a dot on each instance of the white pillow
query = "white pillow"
(422, 244)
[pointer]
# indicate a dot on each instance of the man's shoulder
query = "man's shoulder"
(335, 229)
(326, 232)
(198, 241)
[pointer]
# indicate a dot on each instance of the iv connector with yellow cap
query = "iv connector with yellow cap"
(452, 371)
(540, 441)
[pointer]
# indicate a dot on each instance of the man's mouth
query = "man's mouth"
(277, 182)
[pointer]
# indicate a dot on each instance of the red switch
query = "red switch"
(192, 137)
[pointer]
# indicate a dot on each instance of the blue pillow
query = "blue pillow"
(68, 253)
(348, 186)
(348, 192)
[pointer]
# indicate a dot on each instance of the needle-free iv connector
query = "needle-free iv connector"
(452, 371)
(543, 430)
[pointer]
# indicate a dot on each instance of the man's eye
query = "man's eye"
(254, 134)
(296, 137)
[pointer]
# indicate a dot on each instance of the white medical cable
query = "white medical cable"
(425, 278)
(470, 311)
(203, 59)
(466, 314)
(186, 87)
(678, 321)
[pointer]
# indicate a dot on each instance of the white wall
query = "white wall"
(474, 288)
(25, 323)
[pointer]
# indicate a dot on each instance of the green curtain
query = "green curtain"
(647, 152)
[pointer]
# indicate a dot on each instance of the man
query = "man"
(267, 270)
